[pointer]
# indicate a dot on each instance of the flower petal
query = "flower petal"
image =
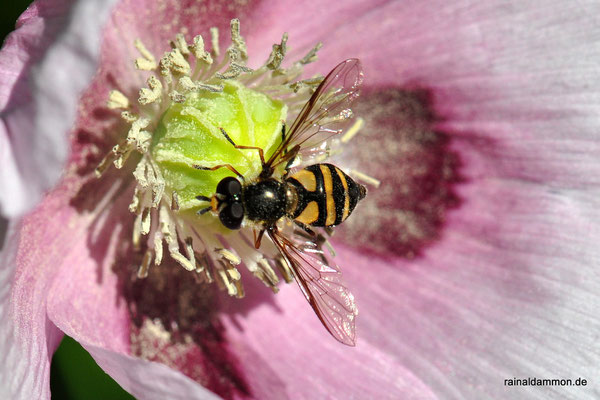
(66, 282)
(38, 95)
(54, 264)
(292, 356)
(24, 367)
(507, 293)
(508, 247)
(510, 287)
(146, 379)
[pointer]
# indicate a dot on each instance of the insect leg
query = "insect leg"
(283, 134)
(258, 238)
(290, 157)
(306, 229)
(227, 136)
(216, 167)
(261, 153)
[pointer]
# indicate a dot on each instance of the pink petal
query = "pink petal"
(148, 380)
(507, 290)
(17, 379)
(48, 256)
(84, 299)
(510, 288)
(38, 95)
(66, 282)
(290, 355)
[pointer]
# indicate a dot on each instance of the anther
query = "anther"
(147, 62)
(152, 93)
(364, 177)
(199, 52)
(354, 129)
(117, 100)
(229, 256)
(214, 40)
(180, 44)
(237, 40)
(143, 270)
(278, 53)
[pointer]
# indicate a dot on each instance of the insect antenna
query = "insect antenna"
(203, 211)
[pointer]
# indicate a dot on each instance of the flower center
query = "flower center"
(190, 134)
(183, 125)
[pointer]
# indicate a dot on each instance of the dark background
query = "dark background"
(74, 374)
(10, 13)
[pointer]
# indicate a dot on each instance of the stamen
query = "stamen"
(153, 94)
(265, 273)
(147, 62)
(116, 100)
(233, 71)
(189, 250)
(136, 234)
(180, 44)
(145, 226)
(143, 270)
(140, 173)
(364, 177)
(158, 187)
(178, 64)
(278, 53)
(165, 68)
(284, 269)
(187, 85)
(184, 262)
(237, 40)
(106, 161)
(214, 40)
(350, 133)
(177, 97)
(210, 88)
(311, 83)
(170, 235)
(158, 248)
(229, 256)
(199, 53)
(134, 206)
(312, 54)
(128, 117)
(174, 202)
(121, 153)
(137, 138)
(225, 283)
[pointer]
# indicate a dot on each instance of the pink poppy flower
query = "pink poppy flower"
(472, 263)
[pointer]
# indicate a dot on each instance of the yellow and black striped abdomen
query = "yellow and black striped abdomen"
(326, 195)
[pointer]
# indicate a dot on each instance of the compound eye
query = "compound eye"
(232, 215)
(229, 187)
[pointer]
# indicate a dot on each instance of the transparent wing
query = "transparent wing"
(321, 282)
(325, 114)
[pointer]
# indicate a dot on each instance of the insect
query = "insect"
(320, 195)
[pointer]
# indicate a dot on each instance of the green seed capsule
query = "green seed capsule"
(189, 133)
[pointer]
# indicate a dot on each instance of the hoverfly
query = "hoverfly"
(320, 195)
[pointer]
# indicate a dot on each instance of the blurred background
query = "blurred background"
(74, 374)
